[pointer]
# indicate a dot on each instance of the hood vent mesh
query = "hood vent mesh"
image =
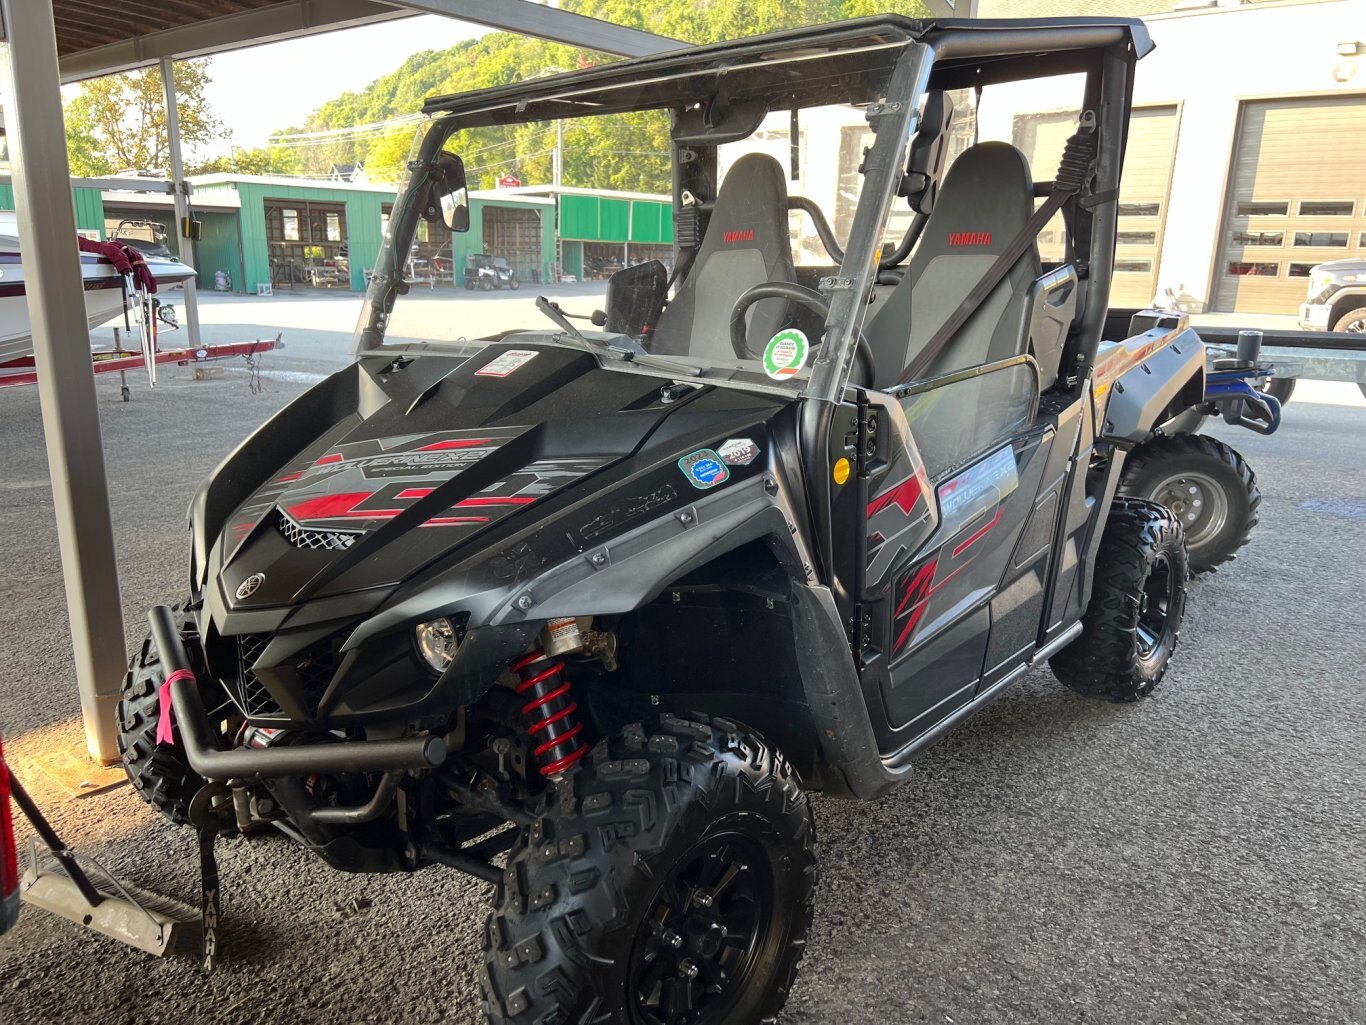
(316, 540)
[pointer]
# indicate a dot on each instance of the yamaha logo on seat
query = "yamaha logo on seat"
(738, 235)
(250, 586)
(969, 238)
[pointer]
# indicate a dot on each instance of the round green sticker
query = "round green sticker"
(785, 354)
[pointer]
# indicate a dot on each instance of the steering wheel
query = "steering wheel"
(792, 292)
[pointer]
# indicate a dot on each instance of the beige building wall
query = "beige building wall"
(1209, 62)
(1206, 63)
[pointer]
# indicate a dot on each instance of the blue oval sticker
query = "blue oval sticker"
(704, 469)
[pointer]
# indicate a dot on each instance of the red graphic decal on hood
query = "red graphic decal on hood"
(327, 507)
(438, 446)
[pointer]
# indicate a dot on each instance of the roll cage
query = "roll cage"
(795, 69)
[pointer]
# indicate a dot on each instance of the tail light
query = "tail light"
(9, 854)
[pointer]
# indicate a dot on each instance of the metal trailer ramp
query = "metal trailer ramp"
(57, 881)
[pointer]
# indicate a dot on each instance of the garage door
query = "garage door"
(515, 233)
(1297, 198)
(1143, 192)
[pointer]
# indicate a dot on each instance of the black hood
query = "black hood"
(435, 454)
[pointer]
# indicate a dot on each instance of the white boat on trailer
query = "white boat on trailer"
(105, 293)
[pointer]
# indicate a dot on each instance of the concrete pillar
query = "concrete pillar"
(36, 132)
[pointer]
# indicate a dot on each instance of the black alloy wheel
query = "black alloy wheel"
(669, 880)
(697, 945)
(1154, 610)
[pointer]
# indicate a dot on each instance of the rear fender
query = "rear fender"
(1146, 380)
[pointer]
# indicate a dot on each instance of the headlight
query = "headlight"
(437, 642)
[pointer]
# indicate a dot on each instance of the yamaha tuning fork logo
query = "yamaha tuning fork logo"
(250, 586)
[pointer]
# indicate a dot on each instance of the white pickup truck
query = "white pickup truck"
(1337, 298)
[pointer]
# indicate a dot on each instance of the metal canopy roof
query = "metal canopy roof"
(95, 37)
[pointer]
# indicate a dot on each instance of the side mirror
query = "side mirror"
(448, 198)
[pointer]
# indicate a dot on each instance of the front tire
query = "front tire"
(671, 879)
(1138, 597)
(1207, 484)
(1353, 321)
(160, 773)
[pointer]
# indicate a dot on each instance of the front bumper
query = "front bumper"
(205, 757)
(1314, 316)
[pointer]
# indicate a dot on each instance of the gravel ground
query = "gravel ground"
(1195, 858)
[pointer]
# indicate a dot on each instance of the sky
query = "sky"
(266, 88)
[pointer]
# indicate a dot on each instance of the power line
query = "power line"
(373, 126)
(509, 160)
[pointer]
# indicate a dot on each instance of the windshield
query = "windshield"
(659, 214)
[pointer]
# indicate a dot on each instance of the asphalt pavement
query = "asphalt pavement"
(1194, 858)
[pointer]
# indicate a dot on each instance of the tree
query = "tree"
(627, 151)
(261, 160)
(118, 123)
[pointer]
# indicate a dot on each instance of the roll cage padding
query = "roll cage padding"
(747, 243)
(986, 199)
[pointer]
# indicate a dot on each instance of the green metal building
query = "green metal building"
(265, 233)
(89, 212)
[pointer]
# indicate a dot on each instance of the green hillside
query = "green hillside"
(627, 152)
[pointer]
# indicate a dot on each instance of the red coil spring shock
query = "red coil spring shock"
(550, 709)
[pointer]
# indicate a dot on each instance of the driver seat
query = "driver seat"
(747, 243)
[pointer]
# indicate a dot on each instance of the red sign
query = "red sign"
(509, 182)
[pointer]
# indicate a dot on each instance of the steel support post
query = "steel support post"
(36, 132)
(182, 199)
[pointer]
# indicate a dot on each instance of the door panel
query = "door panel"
(945, 670)
(1016, 610)
(946, 539)
(941, 602)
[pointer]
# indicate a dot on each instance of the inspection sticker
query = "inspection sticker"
(505, 363)
(704, 469)
(785, 354)
(738, 451)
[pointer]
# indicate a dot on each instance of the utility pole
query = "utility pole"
(557, 175)
(182, 198)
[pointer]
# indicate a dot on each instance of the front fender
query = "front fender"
(632, 569)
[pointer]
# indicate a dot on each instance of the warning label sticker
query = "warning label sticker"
(504, 364)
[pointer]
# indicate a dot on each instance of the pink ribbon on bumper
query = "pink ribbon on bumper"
(164, 711)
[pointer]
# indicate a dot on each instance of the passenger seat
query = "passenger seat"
(986, 199)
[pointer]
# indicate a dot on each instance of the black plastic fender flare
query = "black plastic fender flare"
(1142, 394)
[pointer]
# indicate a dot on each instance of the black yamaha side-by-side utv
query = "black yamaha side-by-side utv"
(612, 601)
